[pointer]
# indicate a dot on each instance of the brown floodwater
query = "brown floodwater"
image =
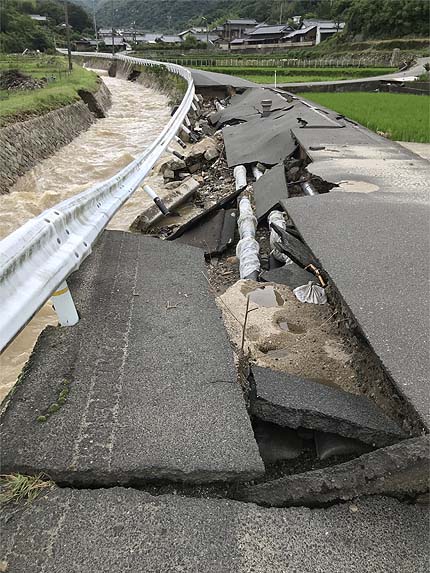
(138, 114)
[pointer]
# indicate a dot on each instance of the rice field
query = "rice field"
(401, 117)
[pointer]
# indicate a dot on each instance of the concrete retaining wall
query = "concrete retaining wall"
(24, 144)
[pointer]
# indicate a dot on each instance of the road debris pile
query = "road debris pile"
(312, 404)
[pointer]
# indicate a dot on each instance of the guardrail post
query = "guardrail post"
(64, 306)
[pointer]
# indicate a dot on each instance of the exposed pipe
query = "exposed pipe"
(247, 248)
(256, 172)
(239, 173)
(308, 189)
(159, 202)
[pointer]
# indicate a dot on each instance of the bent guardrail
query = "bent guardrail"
(39, 256)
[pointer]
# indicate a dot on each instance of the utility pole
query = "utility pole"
(95, 26)
(66, 21)
(207, 32)
(280, 11)
(113, 30)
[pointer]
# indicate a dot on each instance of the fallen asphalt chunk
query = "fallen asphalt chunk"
(400, 469)
(212, 234)
(295, 402)
(291, 275)
(247, 106)
(143, 387)
(117, 530)
(263, 140)
(270, 190)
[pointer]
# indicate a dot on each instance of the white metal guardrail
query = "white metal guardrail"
(37, 258)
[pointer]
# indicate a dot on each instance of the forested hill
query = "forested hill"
(364, 18)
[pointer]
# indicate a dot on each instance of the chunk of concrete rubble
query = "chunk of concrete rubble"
(400, 469)
(211, 154)
(173, 165)
(197, 152)
(123, 529)
(177, 195)
(295, 402)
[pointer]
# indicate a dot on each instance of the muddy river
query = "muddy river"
(137, 116)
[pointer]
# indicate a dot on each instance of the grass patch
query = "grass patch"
(61, 89)
(18, 487)
(401, 117)
(266, 75)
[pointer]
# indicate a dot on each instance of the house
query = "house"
(105, 32)
(141, 38)
(200, 34)
(118, 42)
(303, 36)
(325, 28)
(267, 34)
(86, 45)
(232, 29)
(169, 39)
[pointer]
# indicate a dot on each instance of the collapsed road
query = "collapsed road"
(310, 400)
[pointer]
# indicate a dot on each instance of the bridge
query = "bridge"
(138, 409)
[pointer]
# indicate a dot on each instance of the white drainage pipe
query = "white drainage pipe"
(256, 172)
(239, 173)
(278, 218)
(308, 189)
(247, 248)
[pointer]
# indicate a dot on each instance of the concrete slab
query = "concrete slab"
(269, 190)
(152, 390)
(401, 469)
(295, 402)
(125, 530)
(372, 246)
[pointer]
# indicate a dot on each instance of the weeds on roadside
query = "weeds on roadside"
(18, 487)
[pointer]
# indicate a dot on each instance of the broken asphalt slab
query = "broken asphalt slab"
(291, 275)
(374, 248)
(269, 190)
(124, 530)
(151, 385)
(399, 470)
(295, 402)
(212, 234)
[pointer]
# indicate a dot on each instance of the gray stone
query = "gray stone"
(276, 443)
(401, 469)
(124, 530)
(211, 154)
(168, 174)
(295, 402)
(152, 390)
